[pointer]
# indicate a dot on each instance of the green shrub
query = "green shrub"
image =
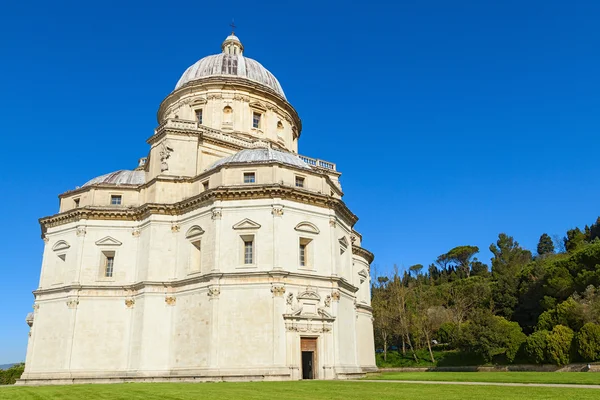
(536, 346)
(489, 336)
(9, 376)
(588, 342)
(559, 345)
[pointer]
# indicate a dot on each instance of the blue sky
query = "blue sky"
(451, 121)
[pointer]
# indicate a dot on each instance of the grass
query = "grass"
(575, 378)
(315, 390)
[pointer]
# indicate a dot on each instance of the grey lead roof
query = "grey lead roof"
(256, 156)
(231, 64)
(122, 177)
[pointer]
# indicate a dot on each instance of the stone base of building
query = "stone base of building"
(205, 375)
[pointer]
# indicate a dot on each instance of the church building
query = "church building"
(224, 255)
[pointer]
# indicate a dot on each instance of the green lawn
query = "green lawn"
(587, 378)
(317, 390)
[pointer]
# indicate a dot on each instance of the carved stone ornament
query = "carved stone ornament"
(165, 153)
(277, 211)
(36, 306)
(80, 231)
(332, 222)
(217, 213)
(135, 232)
(214, 292)
(289, 299)
(45, 239)
(72, 304)
(278, 290)
(170, 300)
(335, 295)
(129, 303)
(327, 301)
(175, 228)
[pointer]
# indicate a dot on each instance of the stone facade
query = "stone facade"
(205, 271)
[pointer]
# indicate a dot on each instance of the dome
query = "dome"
(265, 155)
(123, 177)
(231, 62)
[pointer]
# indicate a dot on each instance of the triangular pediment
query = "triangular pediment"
(246, 224)
(258, 106)
(343, 241)
(307, 227)
(108, 241)
(194, 232)
(363, 273)
(61, 245)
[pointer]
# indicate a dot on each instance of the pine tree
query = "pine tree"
(545, 245)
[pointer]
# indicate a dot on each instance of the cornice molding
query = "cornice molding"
(364, 253)
(206, 198)
(159, 287)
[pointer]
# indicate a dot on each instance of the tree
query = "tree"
(588, 342)
(509, 259)
(489, 336)
(574, 240)
(461, 256)
(536, 346)
(416, 269)
(559, 345)
(545, 245)
(382, 313)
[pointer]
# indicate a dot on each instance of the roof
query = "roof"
(231, 62)
(263, 155)
(122, 177)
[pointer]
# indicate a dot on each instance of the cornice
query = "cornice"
(196, 85)
(271, 276)
(203, 199)
(364, 253)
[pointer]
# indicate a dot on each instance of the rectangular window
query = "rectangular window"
(76, 201)
(196, 257)
(248, 251)
(109, 263)
(115, 200)
(199, 116)
(256, 120)
(299, 181)
(205, 185)
(302, 254)
(249, 177)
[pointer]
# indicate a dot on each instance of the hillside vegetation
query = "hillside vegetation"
(542, 308)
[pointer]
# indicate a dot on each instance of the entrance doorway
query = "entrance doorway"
(308, 347)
